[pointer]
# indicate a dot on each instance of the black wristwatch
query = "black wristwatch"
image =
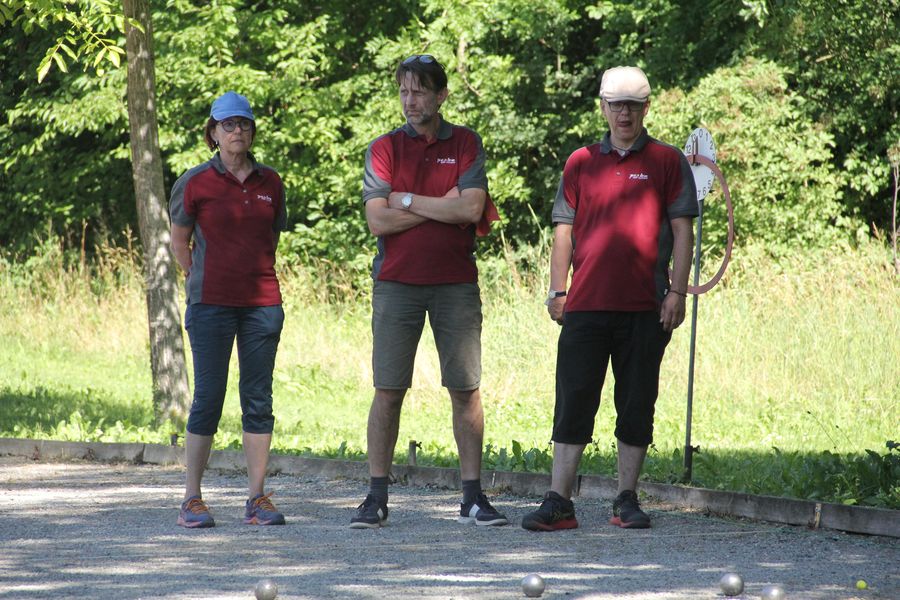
(553, 295)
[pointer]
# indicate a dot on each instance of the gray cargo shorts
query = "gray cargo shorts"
(398, 318)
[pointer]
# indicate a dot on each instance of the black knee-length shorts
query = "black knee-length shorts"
(635, 343)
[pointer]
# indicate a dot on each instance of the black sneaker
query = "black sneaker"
(480, 512)
(371, 514)
(627, 512)
(555, 513)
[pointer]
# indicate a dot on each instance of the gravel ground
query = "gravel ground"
(100, 531)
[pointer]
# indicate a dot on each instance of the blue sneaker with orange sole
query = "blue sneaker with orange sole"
(194, 513)
(261, 511)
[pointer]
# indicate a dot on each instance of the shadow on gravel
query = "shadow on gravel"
(87, 530)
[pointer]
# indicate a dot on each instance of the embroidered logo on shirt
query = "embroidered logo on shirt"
(446, 161)
(264, 198)
(638, 176)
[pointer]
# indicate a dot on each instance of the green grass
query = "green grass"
(796, 377)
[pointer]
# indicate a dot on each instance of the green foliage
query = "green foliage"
(518, 458)
(86, 25)
(320, 79)
(777, 162)
(869, 478)
(844, 56)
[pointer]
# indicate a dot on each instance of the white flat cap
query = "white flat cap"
(624, 83)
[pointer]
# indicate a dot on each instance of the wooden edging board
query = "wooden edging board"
(815, 515)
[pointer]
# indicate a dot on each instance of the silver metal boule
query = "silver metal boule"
(732, 584)
(773, 592)
(533, 585)
(266, 590)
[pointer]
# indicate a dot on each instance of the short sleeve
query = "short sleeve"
(281, 217)
(181, 209)
(472, 173)
(377, 174)
(682, 197)
(567, 193)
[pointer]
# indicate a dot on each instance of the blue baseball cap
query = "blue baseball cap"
(231, 104)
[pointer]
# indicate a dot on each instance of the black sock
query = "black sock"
(378, 487)
(470, 488)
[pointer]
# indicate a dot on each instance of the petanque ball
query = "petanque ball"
(533, 585)
(773, 592)
(266, 590)
(732, 584)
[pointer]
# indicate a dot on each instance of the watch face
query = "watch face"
(406, 201)
(700, 142)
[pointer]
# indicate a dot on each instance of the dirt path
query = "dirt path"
(99, 531)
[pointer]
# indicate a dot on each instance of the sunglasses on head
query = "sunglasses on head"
(425, 59)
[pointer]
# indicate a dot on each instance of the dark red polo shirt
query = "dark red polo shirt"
(235, 233)
(619, 208)
(432, 252)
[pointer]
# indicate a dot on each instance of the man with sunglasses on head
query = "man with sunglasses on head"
(426, 194)
(624, 207)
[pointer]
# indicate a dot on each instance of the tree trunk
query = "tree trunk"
(171, 397)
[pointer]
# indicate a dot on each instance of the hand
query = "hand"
(395, 200)
(671, 314)
(557, 309)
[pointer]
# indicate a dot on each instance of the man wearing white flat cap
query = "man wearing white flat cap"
(624, 208)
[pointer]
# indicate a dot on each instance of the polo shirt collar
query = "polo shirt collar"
(606, 144)
(445, 130)
(218, 165)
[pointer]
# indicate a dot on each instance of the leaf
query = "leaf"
(113, 57)
(57, 57)
(68, 51)
(43, 68)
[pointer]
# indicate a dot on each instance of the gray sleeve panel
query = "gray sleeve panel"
(373, 185)
(194, 285)
(177, 213)
(475, 176)
(280, 223)
(685, 204)
(663, 256)
(562, 212)
(282, 218)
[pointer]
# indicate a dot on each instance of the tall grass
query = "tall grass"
(797, 370)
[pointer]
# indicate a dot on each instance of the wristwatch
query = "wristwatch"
(553, 295)
(406, 201)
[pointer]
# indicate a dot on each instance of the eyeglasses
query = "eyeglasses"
(229, 124)
(633, 106)
(425, 59)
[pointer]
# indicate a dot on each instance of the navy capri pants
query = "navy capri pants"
(212, 330)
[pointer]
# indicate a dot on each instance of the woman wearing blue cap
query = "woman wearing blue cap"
(227, 214)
